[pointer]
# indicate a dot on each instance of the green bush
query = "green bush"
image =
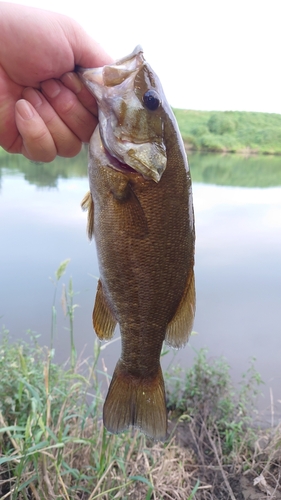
(211, 142)
(205, 393)
(22, 390)
(233, 131)
(221, 123)
(199, 130)
(268, 135)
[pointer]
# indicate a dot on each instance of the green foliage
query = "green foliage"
(22, 390)
(211, 142)
(230, 131)
(68, 308)
(199, 130)
(61, 269)
(206, 393)
(221, 123)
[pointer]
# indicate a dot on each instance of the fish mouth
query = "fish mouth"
(145, 172)
(116, 164)
(129, 157)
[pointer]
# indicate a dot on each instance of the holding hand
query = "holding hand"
(45, 110)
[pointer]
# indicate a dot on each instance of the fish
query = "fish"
(140, 212)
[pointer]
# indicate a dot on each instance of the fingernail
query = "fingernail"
(72, 82)
(33, 96)
(51, 88)
(25, 109)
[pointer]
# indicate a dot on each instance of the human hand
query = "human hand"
(45, 110)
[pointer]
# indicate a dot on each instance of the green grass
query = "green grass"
(230, 131)
(53, 443)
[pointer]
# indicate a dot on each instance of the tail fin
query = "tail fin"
(137, 402)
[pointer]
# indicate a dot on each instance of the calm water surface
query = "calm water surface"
(237, 205)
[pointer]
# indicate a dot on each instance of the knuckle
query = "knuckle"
(39, 147)
(42, 155)
(68, 106)
(70, 149)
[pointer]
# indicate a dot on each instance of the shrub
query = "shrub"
(211, 142)
(221, 123)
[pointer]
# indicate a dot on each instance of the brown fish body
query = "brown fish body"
(144, 233)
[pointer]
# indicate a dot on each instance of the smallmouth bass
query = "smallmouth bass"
(140, 212)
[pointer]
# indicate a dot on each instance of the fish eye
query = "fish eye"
(151, 100)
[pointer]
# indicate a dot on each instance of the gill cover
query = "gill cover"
(131, 116)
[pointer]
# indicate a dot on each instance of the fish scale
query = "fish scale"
(143, 224)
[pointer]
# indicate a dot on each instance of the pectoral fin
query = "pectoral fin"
(103, 320)
(180, 327)
(87, 204)
(130, 212)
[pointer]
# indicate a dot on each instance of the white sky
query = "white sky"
(209, 54)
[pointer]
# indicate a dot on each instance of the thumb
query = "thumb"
(87, 52)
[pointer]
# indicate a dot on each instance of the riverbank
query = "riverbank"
(53, 444)
(230, 131)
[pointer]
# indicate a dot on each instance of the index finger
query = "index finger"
(72, 81)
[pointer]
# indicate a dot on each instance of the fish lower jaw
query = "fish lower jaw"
(127, 169)
(141, 169)
(116, 164)
(122, 167)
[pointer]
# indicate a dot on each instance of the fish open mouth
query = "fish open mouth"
(116, 164)
(134, 161)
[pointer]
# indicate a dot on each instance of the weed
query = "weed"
(205, 394)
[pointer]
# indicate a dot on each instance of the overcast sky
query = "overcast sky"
(209, 54)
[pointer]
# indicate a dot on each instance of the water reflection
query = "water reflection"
(238, 272)
(44, 175)
(220, 169)
(236, 170)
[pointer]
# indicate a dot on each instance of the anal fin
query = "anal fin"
(179, 329)
(103, 320)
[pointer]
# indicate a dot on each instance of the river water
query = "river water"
(237, 202)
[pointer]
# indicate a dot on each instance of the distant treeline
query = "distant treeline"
(230, 131)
